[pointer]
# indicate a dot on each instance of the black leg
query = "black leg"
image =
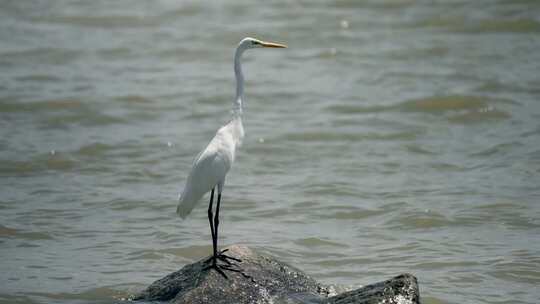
(210, 219)
(219, 254)
(216, 224)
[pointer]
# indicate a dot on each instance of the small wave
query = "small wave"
(56, 56)
(437, 104)
(144, 255)
(317, 242)
(351, 109)
(87, 118)
(38, 164)
(60, 278)
(110, 21)
(383, 5)
(505, 26)
(344, 136)
(343, 262)
(446, 167)
(273, 214)
(483, 115)
(521, 266)
(417, 149)
(190, 252)
(133, 99)
(39, 78)
(512, 215)
(92, 295)
(460, 108)
(420, 220)
(356, 214)
(42, 105)
(114, 53)
(125, 205)
(187, 9)
(499, 148)
(461, 25)
(94, 149)
(331, 189)
(445, 265)
(6, 232)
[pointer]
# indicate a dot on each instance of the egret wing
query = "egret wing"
(208, 170)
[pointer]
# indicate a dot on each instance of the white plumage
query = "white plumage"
(211, 165)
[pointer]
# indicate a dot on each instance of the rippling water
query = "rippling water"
(392, 136)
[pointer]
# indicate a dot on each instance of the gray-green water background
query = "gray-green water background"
(391, 136)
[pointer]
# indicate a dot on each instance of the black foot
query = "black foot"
(223, 257)
(220, 269)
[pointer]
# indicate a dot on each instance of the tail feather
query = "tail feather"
(185, 207)
(187, 202)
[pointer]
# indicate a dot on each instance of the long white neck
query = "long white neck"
(237, 107)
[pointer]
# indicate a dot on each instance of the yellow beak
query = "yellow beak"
(272, 45)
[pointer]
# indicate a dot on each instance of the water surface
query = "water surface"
(390, 137)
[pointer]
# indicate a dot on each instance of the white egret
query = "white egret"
(212, 164)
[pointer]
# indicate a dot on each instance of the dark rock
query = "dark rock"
(265, 280)
(398, 290)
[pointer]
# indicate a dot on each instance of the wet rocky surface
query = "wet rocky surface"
(262, 279)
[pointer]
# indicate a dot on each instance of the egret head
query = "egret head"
(251, 43)
(245, 44)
